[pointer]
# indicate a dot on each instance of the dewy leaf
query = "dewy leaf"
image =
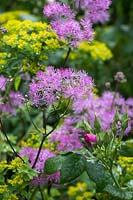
(72, 167)
(97, 125)
(125, 120)
(123, 194)
(17, 83)
(97, 172)
(53, 164)
(126, 151)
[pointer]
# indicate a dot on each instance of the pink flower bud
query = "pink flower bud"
(90, 138)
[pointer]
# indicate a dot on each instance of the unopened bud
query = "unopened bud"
(120, 77)
(90, 138)
(107, 84)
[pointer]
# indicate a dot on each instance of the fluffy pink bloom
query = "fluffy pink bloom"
(68, 29)
(47, 87)
(11, 103)
(67, 136)
(44, 155)
(95, 10)
(3, 82)
(98, 16)
(87, 31)
(129, 107)
(56, 10)
(65, 24)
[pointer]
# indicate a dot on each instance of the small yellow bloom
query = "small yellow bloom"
(13, 197)
(16, 163)
(98, 50)
(87, 194)
(3, 164)
(31, 39)
(17, 180)
(81, 186)
(3, 189)
(79, 198)
(72, 190)
(127, 163)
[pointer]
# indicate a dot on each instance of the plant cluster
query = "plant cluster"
(74, 143)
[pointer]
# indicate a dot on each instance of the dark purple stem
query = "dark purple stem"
(45, 135)
(8, 141)
(67, 56)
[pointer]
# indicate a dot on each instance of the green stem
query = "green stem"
(41, 192)
(33, 194)
(67, 56)
(109, 168)
(113, 177)
(114, 97)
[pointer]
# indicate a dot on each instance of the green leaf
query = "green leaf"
(126, 151)
(72, 167)
(125, 120)
(119, 193)
(97, 172)
(17, 83)
(85, 126)
(107, 139)
(97, 125)
(53, 164)
(116, 117)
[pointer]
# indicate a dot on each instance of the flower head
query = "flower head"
(3, 82)
(48, 87)
(44, 155)
(120, 77)
(56, 10)
(90, 138)
(65, 22)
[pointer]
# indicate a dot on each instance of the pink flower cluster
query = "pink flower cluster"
(56, 10)
(65, 22)
(9, 103)
(67, 136)
(3, 81)
(48, 87)
(104, 108)
(44, 155)
(95, 10)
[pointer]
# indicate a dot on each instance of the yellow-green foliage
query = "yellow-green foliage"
(97, 50)
(16, 164)
(6, 16)
(80, 192)
(28, 41)
(3, 188)
(22, 173)
(3, 57)
(13, 197)
(34, 142)
(127, 164)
